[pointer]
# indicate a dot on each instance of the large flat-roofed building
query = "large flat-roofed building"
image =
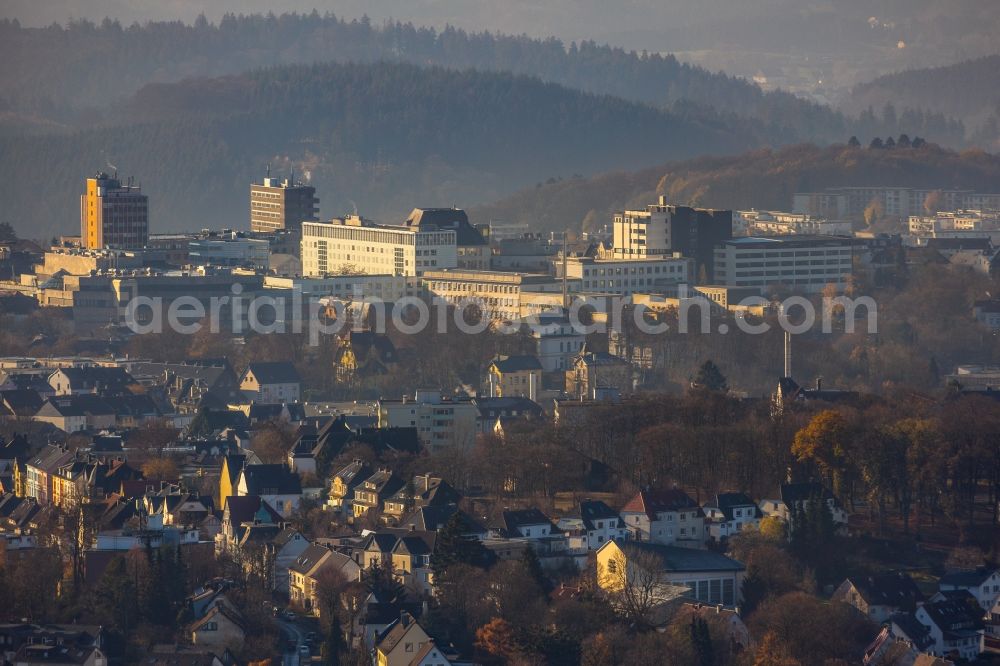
(276, 205)
(356, 245)
(894, 201)
(663, 229)
(626, 276)
(498, 293)
(774, 222)
(804, 263)
(230, 248)
(387, 288)
(441, 422)
(113, 215)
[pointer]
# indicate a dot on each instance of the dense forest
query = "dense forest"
(969, 90)
(763, 179)
(77, 73)
(384, 136)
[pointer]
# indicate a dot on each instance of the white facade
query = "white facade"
(347, 287)
(330, 248)
(967, 645)
(804, 263)
(440, 423)
(230, 251)
(625, 276)
(986, 592)
(671, 528)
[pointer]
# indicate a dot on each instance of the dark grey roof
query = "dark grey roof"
(889, 589)
(22, 402)
(592, 510)
(676, 558)
(517, 363)
(446, 219)
(275, 372)
(916, 631)
(271, 480)
(967, 578)
(429, 518)
(493, 408)
(85, 404)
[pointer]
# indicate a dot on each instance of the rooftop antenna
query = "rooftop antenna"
(268, 169)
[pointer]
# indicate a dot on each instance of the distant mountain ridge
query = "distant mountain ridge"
(63, 74)
(380, 136)
(968, 90)
(762, 179)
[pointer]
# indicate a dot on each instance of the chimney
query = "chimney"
(819, 383)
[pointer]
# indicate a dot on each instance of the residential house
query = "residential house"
(435, 518)
(495, 413)
(430, 655)
(344, 483)
(951, 628)
(423, 490)
(592, 525)
(987, 313)
(276, 484)
(221, 628)
(310, 568)
(286, 547)
(274, 382)
(881, 596)
(100, 380)
(400, 642)
(667, 516)
(730, 514)
(590, 371)
(522, 523)
(40, 472)
(982, 583)
(20, 403)
(75, 413)
(176, 654)
(80, 638)
(736, 628)
(240, 512)
(406, 553)
(514, 376)
(229, 478)
(372, 493)
(54, 654)
(363, 356)
(709, 577)
(793, 498)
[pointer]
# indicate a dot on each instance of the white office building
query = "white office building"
(355, 245)
(803, 263)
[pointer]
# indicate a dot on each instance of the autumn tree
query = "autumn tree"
(824, 444)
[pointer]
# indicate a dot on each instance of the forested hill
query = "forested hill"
(385, 137)
(763, 179)
(969, 90)
(51, 74)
